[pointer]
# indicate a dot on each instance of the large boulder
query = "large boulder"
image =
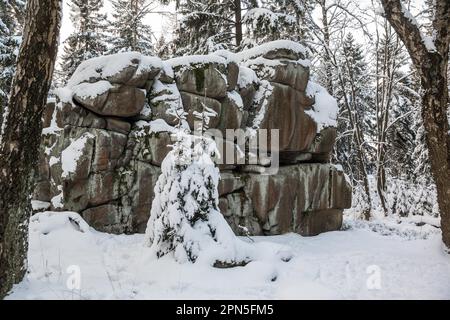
(108, 131)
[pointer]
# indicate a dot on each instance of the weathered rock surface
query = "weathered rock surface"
(105, 138)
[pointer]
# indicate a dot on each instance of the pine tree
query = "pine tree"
(11, 15)
(87, 40)
(129, 32)
(185, 220)
(21, 133)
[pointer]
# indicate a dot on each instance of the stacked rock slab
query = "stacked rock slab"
(107, 133)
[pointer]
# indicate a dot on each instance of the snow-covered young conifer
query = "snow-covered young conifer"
(185, 219)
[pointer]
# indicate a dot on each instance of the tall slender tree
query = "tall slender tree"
(21, 132)
(88, 37)
(11, 16)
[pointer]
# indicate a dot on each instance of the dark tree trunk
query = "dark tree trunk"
(21, 136)
(238, 22)
(432, 66)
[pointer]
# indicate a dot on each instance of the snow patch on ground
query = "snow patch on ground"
(333, 265)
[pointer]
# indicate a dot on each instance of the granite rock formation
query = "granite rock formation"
(107, 132)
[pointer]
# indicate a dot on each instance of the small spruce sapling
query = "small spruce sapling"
(185, 220)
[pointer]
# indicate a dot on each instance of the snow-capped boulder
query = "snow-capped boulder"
(130, 68)
(201, 75)
(107, 132)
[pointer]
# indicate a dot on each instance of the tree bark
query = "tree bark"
(238, 22)
(432, 66)
(21, 134)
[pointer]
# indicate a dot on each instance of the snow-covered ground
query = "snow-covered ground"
(377, 260)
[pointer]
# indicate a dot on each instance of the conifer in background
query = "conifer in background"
(88, 38)
(128, 29)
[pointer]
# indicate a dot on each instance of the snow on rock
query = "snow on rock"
(72, 153)
(53, 160)
(104, 67)
(53, 127)
(274, 49)
(48, 222)
(236, 98)
(227, 55)
(64, 94)
(167, 69)
(325, 109)
(57, 200)
(262, 99)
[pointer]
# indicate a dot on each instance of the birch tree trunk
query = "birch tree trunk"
(21, 134)
(432, 66)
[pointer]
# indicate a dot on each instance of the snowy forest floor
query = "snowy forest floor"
(404, 260)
